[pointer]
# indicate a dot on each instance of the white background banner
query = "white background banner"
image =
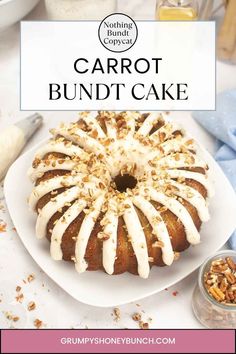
(169, 56)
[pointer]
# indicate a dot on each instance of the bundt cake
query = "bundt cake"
(119, 192)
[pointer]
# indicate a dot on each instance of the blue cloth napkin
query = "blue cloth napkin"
(222, 125)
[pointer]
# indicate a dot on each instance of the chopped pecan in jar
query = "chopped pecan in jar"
(220, 281)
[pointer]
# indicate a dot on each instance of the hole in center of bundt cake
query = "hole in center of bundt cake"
(125, 181)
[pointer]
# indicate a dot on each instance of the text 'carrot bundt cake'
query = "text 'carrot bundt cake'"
(119, 192)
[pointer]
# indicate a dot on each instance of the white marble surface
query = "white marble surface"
(53, 306)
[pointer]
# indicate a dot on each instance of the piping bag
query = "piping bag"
(14, 138)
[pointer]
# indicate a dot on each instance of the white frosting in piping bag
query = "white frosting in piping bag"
(12, 141)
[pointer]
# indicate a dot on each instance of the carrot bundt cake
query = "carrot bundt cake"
(119, 192)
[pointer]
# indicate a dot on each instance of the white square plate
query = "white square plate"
(98, 288)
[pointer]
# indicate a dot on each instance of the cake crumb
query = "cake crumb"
(2, 207)
(137, 317)
(30, 278)
(116, 313)
(38, 323)
(18, 288)
(176, 256)
(11, 317)
(3, 226)
(31, 306)
(175, 293)
(19, 298)
(8, 315)
(143, 325)
(15, 318)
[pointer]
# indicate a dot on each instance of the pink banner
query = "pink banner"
(118, 341)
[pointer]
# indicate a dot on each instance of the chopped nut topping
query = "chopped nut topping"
(162, 136)
(137, 317)
(158, 244)
(223, 285)
(102, 236)
(3, 227)
(38, 323)
(36, 162)
(19, 298)
(230, 263)
(177, 157)
(11, 317)
(231, 278)
(217, 293)
(220, 281)
(143, 325)
(30, 278)
(116, 313)
(94, 134)
(15, 318)
(31, 306)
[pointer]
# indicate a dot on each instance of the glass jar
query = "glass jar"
(209, 312)
(177, 10)
(79, 9)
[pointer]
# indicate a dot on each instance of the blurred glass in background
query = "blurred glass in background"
(177, 10)
(79, 9)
